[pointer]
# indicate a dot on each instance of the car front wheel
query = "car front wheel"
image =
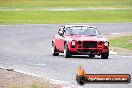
(105, 55)
(67, 53)
(54, 51)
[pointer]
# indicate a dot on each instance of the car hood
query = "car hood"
(86, 38)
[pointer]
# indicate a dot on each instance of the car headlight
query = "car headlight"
(73, 43)
(106, 43)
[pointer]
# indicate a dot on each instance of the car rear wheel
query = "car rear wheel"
(105, 55)
(54, 51)
(67, 53)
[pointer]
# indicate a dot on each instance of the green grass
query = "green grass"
(33, 85)
(33, 11)
(123, 42)
(64, 3)
(37, 86)
(39, 17)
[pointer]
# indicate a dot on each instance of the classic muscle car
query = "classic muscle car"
(80, 40)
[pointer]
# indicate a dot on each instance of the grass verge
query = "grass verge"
(122, 42)
(40, 17)
(64, 3)
(32, 11)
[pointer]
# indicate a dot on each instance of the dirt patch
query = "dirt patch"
(121, 51)
(130, 41)
(11, 79)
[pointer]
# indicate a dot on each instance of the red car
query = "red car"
(80, 40)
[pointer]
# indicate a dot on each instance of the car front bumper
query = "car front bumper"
(86, 51)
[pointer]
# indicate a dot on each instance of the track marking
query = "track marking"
(127, 56)
(112, 53)
(115, 33)
(64, 9)
(39, 64)
(53, 81)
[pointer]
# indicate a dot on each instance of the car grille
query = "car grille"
(89, 44)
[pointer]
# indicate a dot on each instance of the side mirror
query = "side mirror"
(60, 33)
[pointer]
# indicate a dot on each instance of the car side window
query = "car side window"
(60, 32)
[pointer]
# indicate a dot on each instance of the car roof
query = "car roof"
(78, 26)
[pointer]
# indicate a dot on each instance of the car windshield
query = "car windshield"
(82, 31)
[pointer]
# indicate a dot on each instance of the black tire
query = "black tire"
(105, 55)
(67, 53)
(54, 51)
(81, 80)
(91, 55)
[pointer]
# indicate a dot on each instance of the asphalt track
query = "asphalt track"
(28, 48)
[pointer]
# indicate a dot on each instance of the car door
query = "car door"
(59, 40)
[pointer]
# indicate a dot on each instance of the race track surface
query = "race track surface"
(28, 48)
